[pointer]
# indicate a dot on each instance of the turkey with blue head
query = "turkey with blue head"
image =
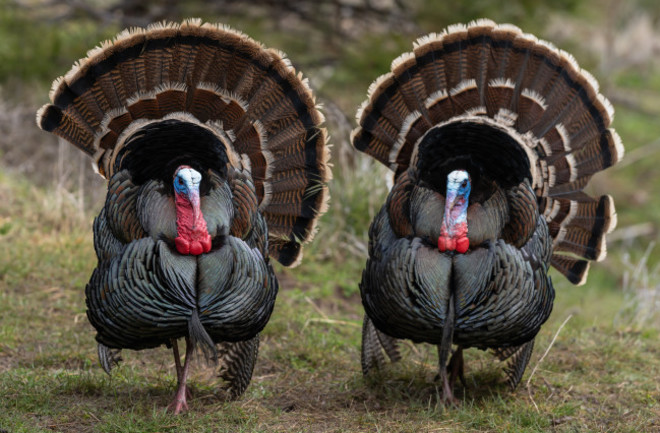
(216, 162)
(491, 135)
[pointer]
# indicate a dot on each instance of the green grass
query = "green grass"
(601, 374)
(598, 376)
(35, 51)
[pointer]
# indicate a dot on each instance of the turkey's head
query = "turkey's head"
(453, 232)
(192, 234)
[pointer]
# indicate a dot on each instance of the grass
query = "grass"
(600, 375)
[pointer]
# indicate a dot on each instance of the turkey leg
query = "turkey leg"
(443, 353)
(456, 369)
(180, 403)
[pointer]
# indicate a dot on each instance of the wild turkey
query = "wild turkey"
(215, 162)
(490, 131)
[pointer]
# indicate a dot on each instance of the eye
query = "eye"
(464, 184)
(179, 181)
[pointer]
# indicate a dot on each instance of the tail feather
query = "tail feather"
(221, 79)
(237, 364)
(411, 87)
(431, 69)
(516, 358)
(574, 269)
(454, 39)
(496, 75)
(465, 97)
(375, 345)
(199, 337)
(499, 94)
(480, 56)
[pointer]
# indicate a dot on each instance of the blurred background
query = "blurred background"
(342, 46)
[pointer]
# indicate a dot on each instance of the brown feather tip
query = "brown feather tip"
(480, 26)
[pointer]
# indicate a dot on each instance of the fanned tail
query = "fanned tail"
(260, 109)
(492, 77)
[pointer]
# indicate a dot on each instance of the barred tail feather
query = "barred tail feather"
(484, 73)
(222, 80)
(237, 364)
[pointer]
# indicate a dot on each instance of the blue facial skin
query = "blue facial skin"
(186, 181)
(458, 187)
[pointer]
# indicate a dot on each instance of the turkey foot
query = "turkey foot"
(447, 392)
(447, 397)
(455, 369)
(180, 403)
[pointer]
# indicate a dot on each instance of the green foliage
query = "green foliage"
(362, 62)
(533, 14)
(39, 51)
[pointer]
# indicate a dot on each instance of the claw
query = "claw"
(180, 403)
(448, 397)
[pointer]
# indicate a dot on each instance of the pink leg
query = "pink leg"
(443, 352)
(177, 360)
(180, 404)
(447, 393)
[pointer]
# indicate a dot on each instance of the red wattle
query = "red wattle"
(442, 243)
(206, 244)
(192, 234)
(460, 230)
(182, 245)
(459, 242)
(195, 248)
(446, 243)
(462, 245)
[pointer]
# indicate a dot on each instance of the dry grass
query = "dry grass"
(601, 374)
(596, 376)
